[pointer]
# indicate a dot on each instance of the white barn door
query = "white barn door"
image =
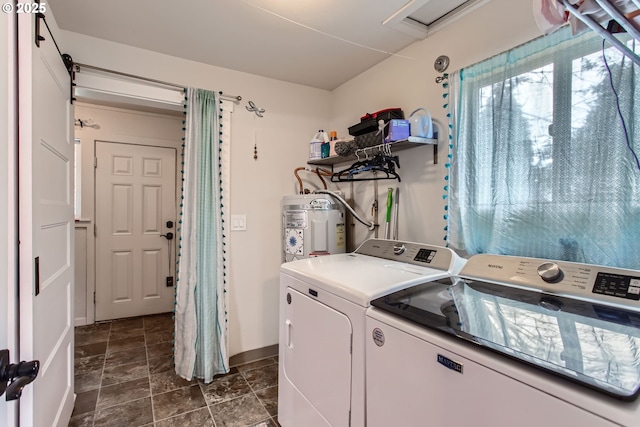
(46, 227)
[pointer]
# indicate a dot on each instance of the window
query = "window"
(541, 166)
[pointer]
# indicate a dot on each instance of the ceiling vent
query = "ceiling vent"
(419, 18)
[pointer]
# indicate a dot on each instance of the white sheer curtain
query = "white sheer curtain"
(541, 164)
(201, 301)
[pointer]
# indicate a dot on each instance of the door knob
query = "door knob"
(14, 376)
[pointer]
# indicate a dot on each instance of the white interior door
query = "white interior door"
(135, 197)
(46, 228)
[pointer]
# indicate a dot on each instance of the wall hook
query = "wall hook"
(252, 108)
(88, 123)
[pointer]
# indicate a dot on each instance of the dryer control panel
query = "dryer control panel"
(584, 281)
(424, 255)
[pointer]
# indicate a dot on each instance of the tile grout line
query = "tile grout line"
(201, 386)
(251, 392)
(254, 392)
(111, 338)
(213, 420)
(146, 352)
(104, 364)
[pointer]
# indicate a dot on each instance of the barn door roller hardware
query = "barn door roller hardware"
(66, 58)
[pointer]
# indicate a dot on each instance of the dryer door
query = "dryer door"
(317, 357)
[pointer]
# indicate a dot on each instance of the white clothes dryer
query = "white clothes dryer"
(322, 325)
(509, 342)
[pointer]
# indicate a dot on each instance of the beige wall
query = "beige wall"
(410, 83)
(120, 125)
(293, 114)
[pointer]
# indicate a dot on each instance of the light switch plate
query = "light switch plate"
(238, 222)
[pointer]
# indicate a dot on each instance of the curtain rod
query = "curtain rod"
(79, 66)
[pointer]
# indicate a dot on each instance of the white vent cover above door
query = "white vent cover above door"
(419, 18)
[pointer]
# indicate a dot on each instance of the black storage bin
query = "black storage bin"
(370, 139)
(369, 122)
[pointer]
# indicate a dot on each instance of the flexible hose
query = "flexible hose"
(324, 183)
(324, 172)
(369, 224)
(316, 171)
(295, 172)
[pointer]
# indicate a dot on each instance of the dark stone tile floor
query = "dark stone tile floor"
(124, 377)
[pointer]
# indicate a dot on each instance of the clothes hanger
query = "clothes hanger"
(378, 163)
(356, 165)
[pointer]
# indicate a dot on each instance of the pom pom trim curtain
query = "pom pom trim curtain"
(201, 318)
(541, 164)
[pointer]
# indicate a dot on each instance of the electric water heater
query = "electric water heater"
(312, 225)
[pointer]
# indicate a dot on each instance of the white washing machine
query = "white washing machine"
(510, 342)
(322, 322)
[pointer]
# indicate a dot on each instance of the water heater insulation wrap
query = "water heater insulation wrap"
(313, 225)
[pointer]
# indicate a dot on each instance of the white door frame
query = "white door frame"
(8, 199)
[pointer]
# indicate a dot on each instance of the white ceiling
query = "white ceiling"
(318, 43)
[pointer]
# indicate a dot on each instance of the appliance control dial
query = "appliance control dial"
(399, 249)
(550, 272)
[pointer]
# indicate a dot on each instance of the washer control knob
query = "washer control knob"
(549, 272)
(399, 248)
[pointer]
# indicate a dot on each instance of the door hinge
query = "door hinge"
(95, 230)
(351, 345)
(94, 297)
(349, 418)
(95, 163)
